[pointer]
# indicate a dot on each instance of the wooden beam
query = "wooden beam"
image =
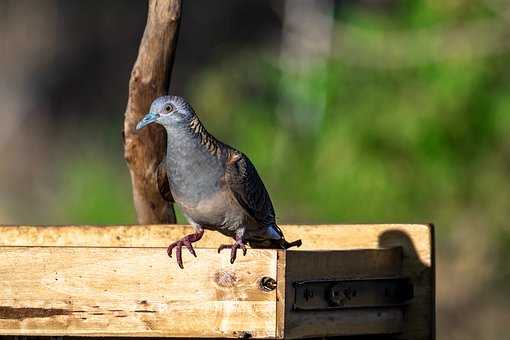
(315, 237)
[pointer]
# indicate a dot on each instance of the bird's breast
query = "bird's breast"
(194, 174)
(216, 211)
(197, 182)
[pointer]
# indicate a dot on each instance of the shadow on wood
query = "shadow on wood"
(421, 313)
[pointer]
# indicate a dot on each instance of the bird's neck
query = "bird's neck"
(191, 134)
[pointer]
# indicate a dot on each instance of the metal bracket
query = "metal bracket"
(353, 293)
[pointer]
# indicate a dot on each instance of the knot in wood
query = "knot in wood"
(225, 279)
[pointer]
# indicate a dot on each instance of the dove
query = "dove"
(215, 186)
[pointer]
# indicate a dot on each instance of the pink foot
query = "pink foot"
(233, 253)
(186, 241)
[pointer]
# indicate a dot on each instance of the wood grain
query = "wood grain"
(315, 237)
(281, 294)
(134, 292)
(415, 240)
(150, 78)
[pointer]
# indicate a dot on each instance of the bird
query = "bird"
(215, 186)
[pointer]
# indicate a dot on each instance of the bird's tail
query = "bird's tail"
(286, 245)
(274, 244)
(274, 239)
(282, 243)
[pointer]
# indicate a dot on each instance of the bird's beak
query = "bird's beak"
(149, 118)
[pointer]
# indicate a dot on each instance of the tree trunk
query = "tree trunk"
(150, 78)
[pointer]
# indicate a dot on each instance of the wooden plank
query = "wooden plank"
(315, 237)
(134, 292)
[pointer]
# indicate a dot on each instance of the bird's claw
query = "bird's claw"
(186, 241)
(178, 250)
(233, 249)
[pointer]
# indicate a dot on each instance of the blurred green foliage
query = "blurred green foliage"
(93, 181)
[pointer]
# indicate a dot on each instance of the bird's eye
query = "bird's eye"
(168, 108)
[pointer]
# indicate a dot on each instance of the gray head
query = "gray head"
(167, 111)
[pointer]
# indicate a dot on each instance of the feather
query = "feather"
(163, 185)
(249, 190)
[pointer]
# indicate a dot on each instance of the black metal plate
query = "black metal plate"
(354, 293)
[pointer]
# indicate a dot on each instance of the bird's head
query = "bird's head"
(167, 111)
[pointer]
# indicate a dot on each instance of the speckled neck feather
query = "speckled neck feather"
(206, 139)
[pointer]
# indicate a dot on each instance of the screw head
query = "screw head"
(268, 283)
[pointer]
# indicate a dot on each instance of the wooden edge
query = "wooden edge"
(280, 294)
(314, 237)
(432, 230)
(348, 236)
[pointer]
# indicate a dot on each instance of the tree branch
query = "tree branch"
(150, 78)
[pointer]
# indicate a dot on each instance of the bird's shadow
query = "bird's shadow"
(422, 276)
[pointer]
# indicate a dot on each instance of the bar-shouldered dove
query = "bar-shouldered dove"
(216, 186)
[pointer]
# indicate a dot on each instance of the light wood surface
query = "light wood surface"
(315, 237)
(134, 292)
(281, 293)
(262, 317)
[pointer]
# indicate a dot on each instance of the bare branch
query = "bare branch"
(150, 78)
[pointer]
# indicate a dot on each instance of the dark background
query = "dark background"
(353, 111)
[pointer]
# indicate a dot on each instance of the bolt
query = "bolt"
(267, 283)
(244, 335)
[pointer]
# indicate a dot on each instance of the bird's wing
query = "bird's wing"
(244, 182)
(163, 185)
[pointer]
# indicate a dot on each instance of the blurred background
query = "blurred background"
(353, 111)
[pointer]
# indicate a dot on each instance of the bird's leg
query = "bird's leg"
(239, 243)
(186, 241)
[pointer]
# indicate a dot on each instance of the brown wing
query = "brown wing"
(163, 185)
(249, 190)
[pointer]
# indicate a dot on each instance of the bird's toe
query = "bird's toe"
(170, 249)
(189, 246)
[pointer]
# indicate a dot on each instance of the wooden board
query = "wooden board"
(416, 241)
(315, 237)
(134, 292)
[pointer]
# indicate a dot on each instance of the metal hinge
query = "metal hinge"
(353, 293)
